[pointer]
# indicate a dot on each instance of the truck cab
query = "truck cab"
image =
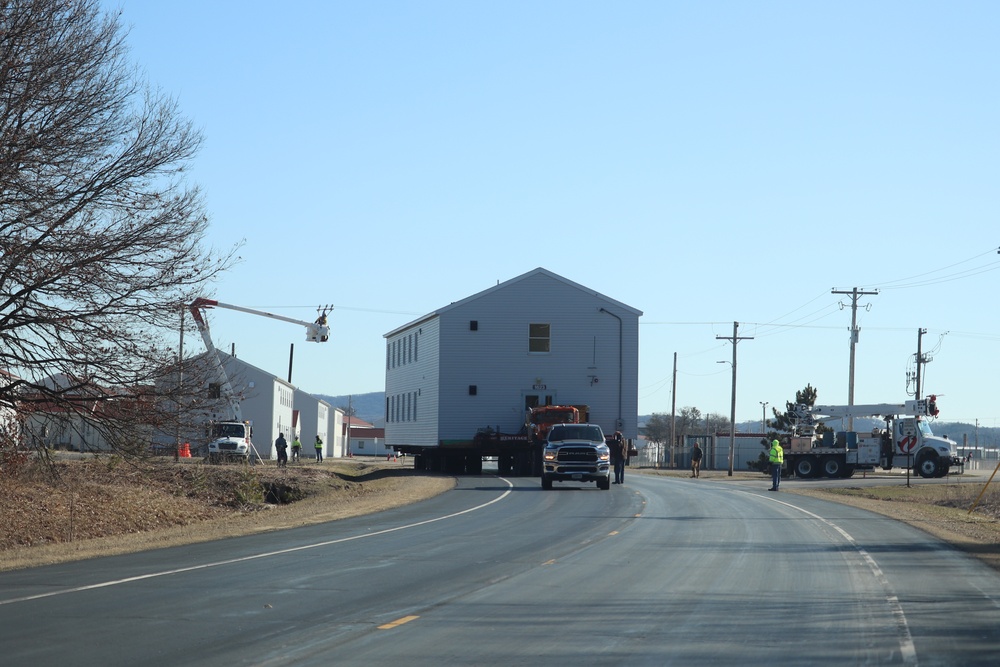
(229, 440)
(932, 455)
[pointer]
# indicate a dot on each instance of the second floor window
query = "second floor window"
(538, 338)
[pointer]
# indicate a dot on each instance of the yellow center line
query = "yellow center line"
(398, 622)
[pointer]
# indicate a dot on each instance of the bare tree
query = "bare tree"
(716, 423)
(657, 431)
(100, 237)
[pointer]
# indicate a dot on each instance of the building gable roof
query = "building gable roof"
(530, 274)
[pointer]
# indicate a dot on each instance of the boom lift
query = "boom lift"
(231, 439)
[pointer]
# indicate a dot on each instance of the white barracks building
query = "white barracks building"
(537, 339)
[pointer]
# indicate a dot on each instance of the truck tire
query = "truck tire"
(928, 465)
(848, 471)
(807, 467)
(832, 467)
(546, 484)
(604, 484)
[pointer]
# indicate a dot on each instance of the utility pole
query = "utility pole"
(763, 417)
(854, 294)
(673, 406)
(920, 359)
(732, 410)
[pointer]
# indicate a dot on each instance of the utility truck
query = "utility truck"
(231, 439)
(906, 441)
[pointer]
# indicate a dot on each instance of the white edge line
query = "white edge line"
(269, 554)
(907, 649)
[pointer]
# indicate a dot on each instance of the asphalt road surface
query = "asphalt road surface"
(659, 571)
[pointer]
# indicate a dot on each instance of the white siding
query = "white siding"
(412, 385)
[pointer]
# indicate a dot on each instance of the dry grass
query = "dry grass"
(101, 506)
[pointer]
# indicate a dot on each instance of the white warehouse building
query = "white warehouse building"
(537, 339)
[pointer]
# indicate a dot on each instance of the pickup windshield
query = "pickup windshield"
(576, 432)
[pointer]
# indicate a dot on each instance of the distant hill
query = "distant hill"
(369, 407)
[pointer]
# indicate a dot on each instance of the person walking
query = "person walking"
(696, 455)
(777, 457)
(319, 448)
(281, 446)
(619, 452)
(296, 448)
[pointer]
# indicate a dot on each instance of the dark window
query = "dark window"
(473, 325)
(473, 390)
(538, 338)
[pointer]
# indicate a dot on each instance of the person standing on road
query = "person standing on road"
(777, 457)
(282, 448)
(319, 448)
(619, 452)
(696, 455)
(296, 448)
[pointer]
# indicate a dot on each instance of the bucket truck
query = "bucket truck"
(907, 440)
(231, 439)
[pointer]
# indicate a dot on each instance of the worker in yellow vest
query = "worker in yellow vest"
(777, 458)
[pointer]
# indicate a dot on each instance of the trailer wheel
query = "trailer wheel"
(505, 464)
(807, 467)
(832, 467)
(928, 465)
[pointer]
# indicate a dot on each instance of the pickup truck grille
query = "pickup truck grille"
(577, 455)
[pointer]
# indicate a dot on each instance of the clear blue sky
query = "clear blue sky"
(705, 162)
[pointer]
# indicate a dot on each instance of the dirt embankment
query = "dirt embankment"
(72, 510)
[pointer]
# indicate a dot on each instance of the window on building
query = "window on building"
(214, 390)
(473, 390)
(473, 325)
(538, 338)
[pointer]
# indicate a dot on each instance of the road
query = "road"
(659, 571)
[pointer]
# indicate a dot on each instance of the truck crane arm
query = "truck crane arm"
(925, 407)
(316, 332)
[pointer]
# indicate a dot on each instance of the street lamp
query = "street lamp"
(732, 415)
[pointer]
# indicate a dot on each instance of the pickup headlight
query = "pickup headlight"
(603, 453)
(550, 454)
